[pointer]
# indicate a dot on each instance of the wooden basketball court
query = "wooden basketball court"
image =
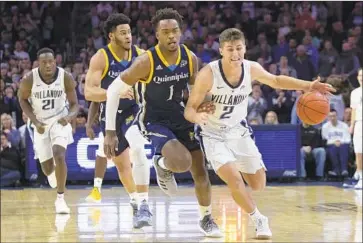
(296, 213)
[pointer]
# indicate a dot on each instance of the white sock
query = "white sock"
(204, 210)
(143, 196)
(97, 182)
(133, 196)
(161, 163)
(255, 215)
(60, 196)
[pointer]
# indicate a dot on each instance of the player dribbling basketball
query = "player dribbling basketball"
(225, 137)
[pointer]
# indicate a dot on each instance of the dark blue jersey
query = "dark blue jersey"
(161, 95)
(114, 66)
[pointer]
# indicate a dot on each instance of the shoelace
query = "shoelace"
(144, 210)
(210, 225)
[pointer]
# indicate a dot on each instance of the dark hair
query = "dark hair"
(113, 21)
(45, 50)
(166, 13)
(231, 34)
(333, 110)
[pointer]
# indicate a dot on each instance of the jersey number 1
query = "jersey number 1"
(227, 110)
(171, 92)
(48, 104)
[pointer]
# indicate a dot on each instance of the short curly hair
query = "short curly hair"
(113, 21)
(166, 13)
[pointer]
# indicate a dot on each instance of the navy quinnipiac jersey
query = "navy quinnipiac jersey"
(114, 66)
(161, 95)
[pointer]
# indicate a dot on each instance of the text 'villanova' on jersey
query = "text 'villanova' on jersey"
(114, 66)
(161, 95)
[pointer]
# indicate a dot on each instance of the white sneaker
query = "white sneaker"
(61, 206)
(359, 184)
(262, 228)
(52, 180)
(356, 176)
(165, 179)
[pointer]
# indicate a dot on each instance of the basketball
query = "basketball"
(313, 108)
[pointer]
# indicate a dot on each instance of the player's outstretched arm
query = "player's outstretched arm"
(202, 85)
(139, 70)
(285, 82)
(70, 89)
(93, 90)
(24, 94)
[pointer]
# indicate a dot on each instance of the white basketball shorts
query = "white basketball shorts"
(55, 134)
(240, 150)
(358, 137)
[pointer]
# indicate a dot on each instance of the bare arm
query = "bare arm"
(139, 70)
(92, 113)
(24, 94)
(70, 89)
(285, 82)
(93, 90)
(202, 85)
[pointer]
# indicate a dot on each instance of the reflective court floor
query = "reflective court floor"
(296, 214)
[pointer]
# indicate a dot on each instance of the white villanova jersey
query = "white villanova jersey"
(230, 102)
(356, 102)
(49, 102)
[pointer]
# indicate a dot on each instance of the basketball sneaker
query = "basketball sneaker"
(262, 228)
(165, 178)
(209, 228)
(134, 206)
(61, 206)
(94, 196)
(52, 180)
(143, 216)
(359, 184)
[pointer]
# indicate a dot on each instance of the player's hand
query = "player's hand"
(201, 118)
(128, 95)
(207, 107)
(323, 88)
(110, 144)
(64, 121)
(40, 127)
(90, 132)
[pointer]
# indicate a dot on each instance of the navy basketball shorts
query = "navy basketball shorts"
(124, 121)
(159, 135)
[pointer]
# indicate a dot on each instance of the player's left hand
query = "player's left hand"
(207, 107)
(323, 88)
(64, 121)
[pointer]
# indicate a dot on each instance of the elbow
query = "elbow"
(88, 94)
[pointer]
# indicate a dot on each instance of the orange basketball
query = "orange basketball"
(312, 108)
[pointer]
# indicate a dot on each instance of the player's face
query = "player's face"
(47, 64)
(360, 76)
(233, 52)
(122, 36)
(168, 34)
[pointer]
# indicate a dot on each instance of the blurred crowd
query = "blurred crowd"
(299, 39)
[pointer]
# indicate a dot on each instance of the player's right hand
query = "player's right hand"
(201, 118)
(207, 107)
(90, 132)
(40, 127)
(128, 95)
(110, 144)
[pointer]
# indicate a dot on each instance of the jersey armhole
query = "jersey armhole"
(138, 50)
(190, 60)
(151, 74)
(105, 70)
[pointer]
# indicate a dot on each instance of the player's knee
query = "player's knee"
(58, 154)
(257, 186)
(235, 184)
(181, 162)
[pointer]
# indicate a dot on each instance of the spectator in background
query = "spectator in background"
(348, 64)
(12, 105)
(327, 59)
(271, 118)
(98, 41)
(7, 127)
(81, 119)
(10, 163)
(311, 51)
(338, 35)
(337, 136)
(280, 102)
(5, 73)
(294, 118)
(312, 148)
(257, 105)
(280, 49)
(283, 68)
(19, 51)
(336, 99)
(304, 68)
(347, 116)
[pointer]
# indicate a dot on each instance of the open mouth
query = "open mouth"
(236, 60)
(172, 44)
